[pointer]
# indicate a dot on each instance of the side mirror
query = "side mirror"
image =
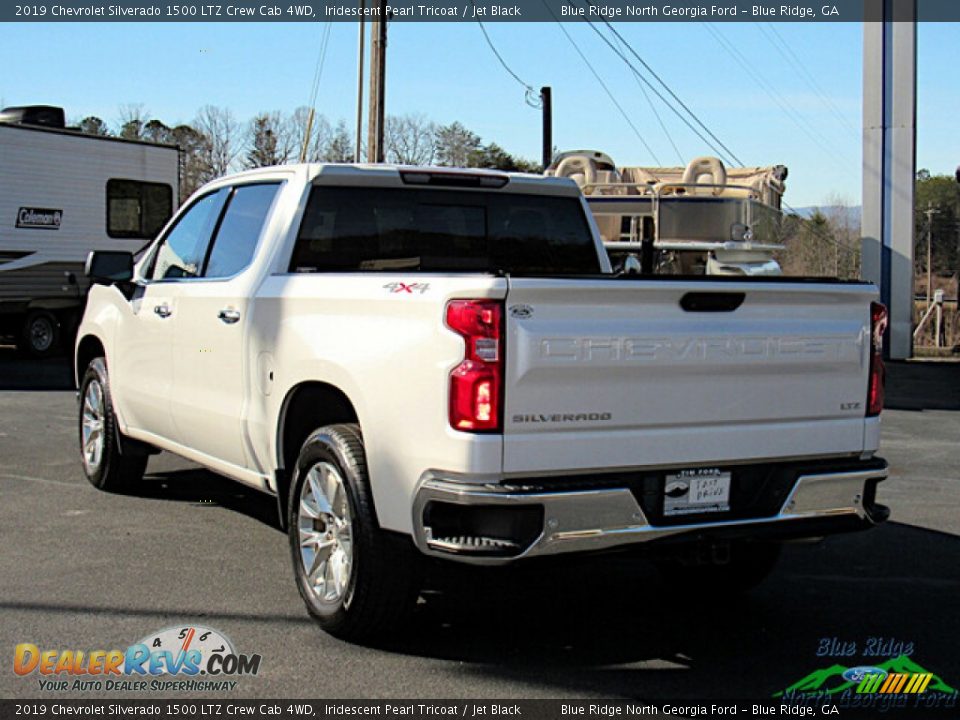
(109, 266)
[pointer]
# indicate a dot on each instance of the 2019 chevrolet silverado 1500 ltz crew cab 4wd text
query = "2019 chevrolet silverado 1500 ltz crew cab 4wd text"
(419, 362)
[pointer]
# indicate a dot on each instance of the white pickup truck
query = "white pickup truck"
(425, 362)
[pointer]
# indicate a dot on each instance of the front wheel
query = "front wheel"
(357, 580)
(105, 465)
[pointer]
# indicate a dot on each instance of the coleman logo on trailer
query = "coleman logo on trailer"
(43, 218)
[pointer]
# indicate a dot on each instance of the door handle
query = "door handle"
(229, 316)
(163, 311)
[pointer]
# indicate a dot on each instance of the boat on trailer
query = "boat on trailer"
(702, 219)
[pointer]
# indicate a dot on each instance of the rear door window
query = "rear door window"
(240, 229)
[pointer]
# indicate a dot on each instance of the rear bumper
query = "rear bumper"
(496, 524)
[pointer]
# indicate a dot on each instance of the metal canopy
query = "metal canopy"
(889, 163)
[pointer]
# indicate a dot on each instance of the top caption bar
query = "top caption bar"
(480, 10)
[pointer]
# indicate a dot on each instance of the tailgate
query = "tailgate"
(605, 373)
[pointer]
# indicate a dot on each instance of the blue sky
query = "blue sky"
(768, 114)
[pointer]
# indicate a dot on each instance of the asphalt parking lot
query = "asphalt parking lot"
(82, 569)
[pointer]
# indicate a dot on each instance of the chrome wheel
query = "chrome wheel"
(92, 438)
(326, 533)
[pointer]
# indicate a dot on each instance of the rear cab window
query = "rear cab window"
(354, 229)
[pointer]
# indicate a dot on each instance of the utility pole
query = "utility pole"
(378, 72)
(546, 102)
(357, 157)
(929, 212)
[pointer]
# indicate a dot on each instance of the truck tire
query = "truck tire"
(106, 467)
(357, 580)
(738, 567)
(40, 336)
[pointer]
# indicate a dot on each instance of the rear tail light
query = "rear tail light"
(878, 326)
(476, 384)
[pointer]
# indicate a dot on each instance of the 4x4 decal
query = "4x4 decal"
(402, 287)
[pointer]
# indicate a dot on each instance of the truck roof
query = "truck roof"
(387, 175)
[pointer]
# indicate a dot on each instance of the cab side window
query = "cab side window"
(182, 251)
(240, 229)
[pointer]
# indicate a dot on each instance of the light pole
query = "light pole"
(929, 212)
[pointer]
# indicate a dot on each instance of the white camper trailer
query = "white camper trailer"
(63, 194)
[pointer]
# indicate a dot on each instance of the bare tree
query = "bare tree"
(811, 246)
(410, 139)
(220, 147)
(846, 234)
(320, 133)
(339, 148)
(133, 118)
(287, 148)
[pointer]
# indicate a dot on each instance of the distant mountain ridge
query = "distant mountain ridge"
(852, 213)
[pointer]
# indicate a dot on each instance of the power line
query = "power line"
(603, 84)
(656, 114)
(781, 45)
(816, 231)
(531, 97)
(314, 89)
(668, 89)
(656, 92)
(321, 61)
(811, 132)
